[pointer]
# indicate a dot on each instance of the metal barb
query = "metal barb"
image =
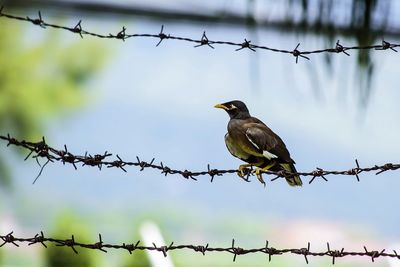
(318, 173)
(78, 28)
(162, 35)
(396, 255)
(99, 245)
(204, 41)
(296, 53)
(358, 170)
(386, 45)
(40, 172)
(246, 44)
(39, 21)
(122, 35)
(67, 242)
(200, 248)
(340, 49)
(9, 238)
(38, 239)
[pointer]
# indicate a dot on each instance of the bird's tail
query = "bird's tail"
(294, 180)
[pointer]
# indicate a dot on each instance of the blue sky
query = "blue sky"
(158, 102)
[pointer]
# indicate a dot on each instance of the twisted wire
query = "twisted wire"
(42, 150)
(203, 249)
(203, 41)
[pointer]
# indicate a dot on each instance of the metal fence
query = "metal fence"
(42, 150)
(203, 41)
(203, 249)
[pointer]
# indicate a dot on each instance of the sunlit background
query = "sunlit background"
(132, 98)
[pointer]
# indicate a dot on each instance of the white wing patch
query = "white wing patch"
(266, 153)
(269, 155)
(251, 141)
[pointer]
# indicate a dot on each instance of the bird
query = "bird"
(250, 140)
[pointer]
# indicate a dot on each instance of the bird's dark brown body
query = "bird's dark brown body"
(250, 140)
(238, 142)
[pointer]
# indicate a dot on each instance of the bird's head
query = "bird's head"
(236, 109)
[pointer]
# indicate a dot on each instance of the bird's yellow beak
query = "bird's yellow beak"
(220, 106)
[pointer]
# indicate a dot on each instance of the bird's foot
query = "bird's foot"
(258, 173)
(243, 171)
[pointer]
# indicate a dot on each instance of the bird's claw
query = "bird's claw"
(258, 173)
(244, 172)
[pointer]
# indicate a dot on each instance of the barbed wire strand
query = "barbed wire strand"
(232, 249)
(42, 150)
(203, 41)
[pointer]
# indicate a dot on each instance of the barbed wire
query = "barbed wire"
(42, 150)
(203, 41)
(232, 249)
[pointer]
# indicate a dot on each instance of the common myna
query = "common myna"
(250, 140)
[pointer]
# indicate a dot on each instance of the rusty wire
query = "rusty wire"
(203, 41)
(232, 249)
(42, 150)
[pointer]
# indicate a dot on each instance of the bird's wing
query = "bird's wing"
(266, 141)
(234, 149)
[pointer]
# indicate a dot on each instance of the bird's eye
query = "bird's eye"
(232, 107)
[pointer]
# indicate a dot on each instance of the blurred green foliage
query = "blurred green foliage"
(66, 225)
(138, 258)
(40, 78)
